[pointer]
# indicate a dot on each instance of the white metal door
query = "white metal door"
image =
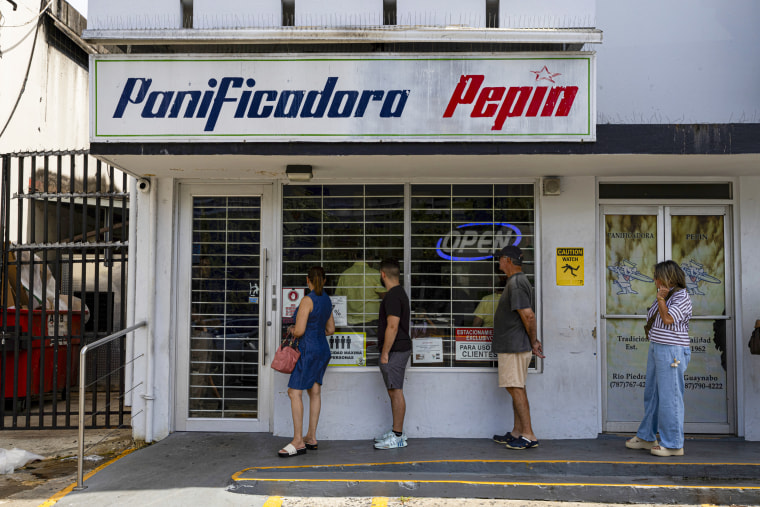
(634, 239)
(224, 312)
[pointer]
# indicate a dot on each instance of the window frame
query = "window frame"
(406, 262)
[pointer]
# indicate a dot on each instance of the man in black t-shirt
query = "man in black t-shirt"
(395, 347)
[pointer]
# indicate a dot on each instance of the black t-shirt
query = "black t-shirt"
(395, 303)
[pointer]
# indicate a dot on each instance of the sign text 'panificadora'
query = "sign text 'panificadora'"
(259, 103)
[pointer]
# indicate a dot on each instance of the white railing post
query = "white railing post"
(82, 379)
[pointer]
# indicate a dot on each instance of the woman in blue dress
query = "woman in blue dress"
(314, 322)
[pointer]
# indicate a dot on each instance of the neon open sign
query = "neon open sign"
(477, 238)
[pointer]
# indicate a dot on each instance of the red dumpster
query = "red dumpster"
(42, 349)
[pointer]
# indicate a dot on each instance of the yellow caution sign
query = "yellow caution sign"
(570, 266)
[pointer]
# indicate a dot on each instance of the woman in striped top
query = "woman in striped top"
(669, 354)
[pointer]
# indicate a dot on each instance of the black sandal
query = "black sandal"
(312, 447)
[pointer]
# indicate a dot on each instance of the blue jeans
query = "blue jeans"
(663, 395)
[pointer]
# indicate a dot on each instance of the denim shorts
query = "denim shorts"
(393, 371)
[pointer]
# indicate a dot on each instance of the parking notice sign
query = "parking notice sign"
(570, 266)
(474, 344)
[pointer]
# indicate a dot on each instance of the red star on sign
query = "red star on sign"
(545, 74)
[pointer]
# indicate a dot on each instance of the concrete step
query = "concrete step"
(527, 480)
(634, 476)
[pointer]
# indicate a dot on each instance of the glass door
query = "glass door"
(223, 381)
(634, 240)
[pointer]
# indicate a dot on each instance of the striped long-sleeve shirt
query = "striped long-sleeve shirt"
(679, 307)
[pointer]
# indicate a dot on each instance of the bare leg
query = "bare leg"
(315, 405)
(521, 409)
(398, 408)
(296, 408)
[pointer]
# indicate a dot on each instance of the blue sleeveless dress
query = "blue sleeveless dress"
(315, 352)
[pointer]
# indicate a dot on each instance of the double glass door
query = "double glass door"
(697, 238)
(222, 379)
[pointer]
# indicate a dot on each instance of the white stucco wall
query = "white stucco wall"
(135, 14)
(236, 13)
(52, 112)
(570, 384)
(153, 304)
(338, 12)
(748, 262)
(680, 61)
(547, 13)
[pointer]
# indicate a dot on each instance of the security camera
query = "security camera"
(143, 185)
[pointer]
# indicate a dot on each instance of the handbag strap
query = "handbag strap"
(650, 322)
(291, 340)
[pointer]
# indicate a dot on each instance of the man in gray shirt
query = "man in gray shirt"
(514, 342)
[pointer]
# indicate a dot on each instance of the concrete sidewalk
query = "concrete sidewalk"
(39, 480)
(210, 468)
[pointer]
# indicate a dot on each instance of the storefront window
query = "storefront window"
(455, 230)
(453, 233)
(348, 230)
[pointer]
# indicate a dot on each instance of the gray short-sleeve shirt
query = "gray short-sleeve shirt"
(509, 333)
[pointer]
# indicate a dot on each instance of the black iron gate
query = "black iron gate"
(64, 222)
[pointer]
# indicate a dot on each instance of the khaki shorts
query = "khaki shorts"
(513, 369)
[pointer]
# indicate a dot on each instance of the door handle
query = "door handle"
(264, 323)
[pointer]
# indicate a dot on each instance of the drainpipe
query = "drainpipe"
(148, 396)
(129, 374)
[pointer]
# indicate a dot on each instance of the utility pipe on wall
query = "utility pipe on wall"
(149, 373)
(129, 373)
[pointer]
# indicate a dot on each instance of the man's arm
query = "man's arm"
(529, 321)
(390, 336)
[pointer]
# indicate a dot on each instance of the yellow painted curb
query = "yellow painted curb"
(273, 501)
(237, 475)
(53, 499)
(656, 463)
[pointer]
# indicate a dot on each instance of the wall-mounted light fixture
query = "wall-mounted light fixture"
(299, 172)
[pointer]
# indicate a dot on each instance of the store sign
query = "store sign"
(359, 97)
(570, 266)
(427, 350)
(339, 311)
(477, 241)
(291, 299)
(348, 349)
(474, 344)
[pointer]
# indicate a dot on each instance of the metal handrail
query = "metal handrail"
(82, 378)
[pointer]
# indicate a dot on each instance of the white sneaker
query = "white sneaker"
(385, 435)
(391, 442)
(388, 433)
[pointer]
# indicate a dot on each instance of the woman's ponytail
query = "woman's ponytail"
(317, 278)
